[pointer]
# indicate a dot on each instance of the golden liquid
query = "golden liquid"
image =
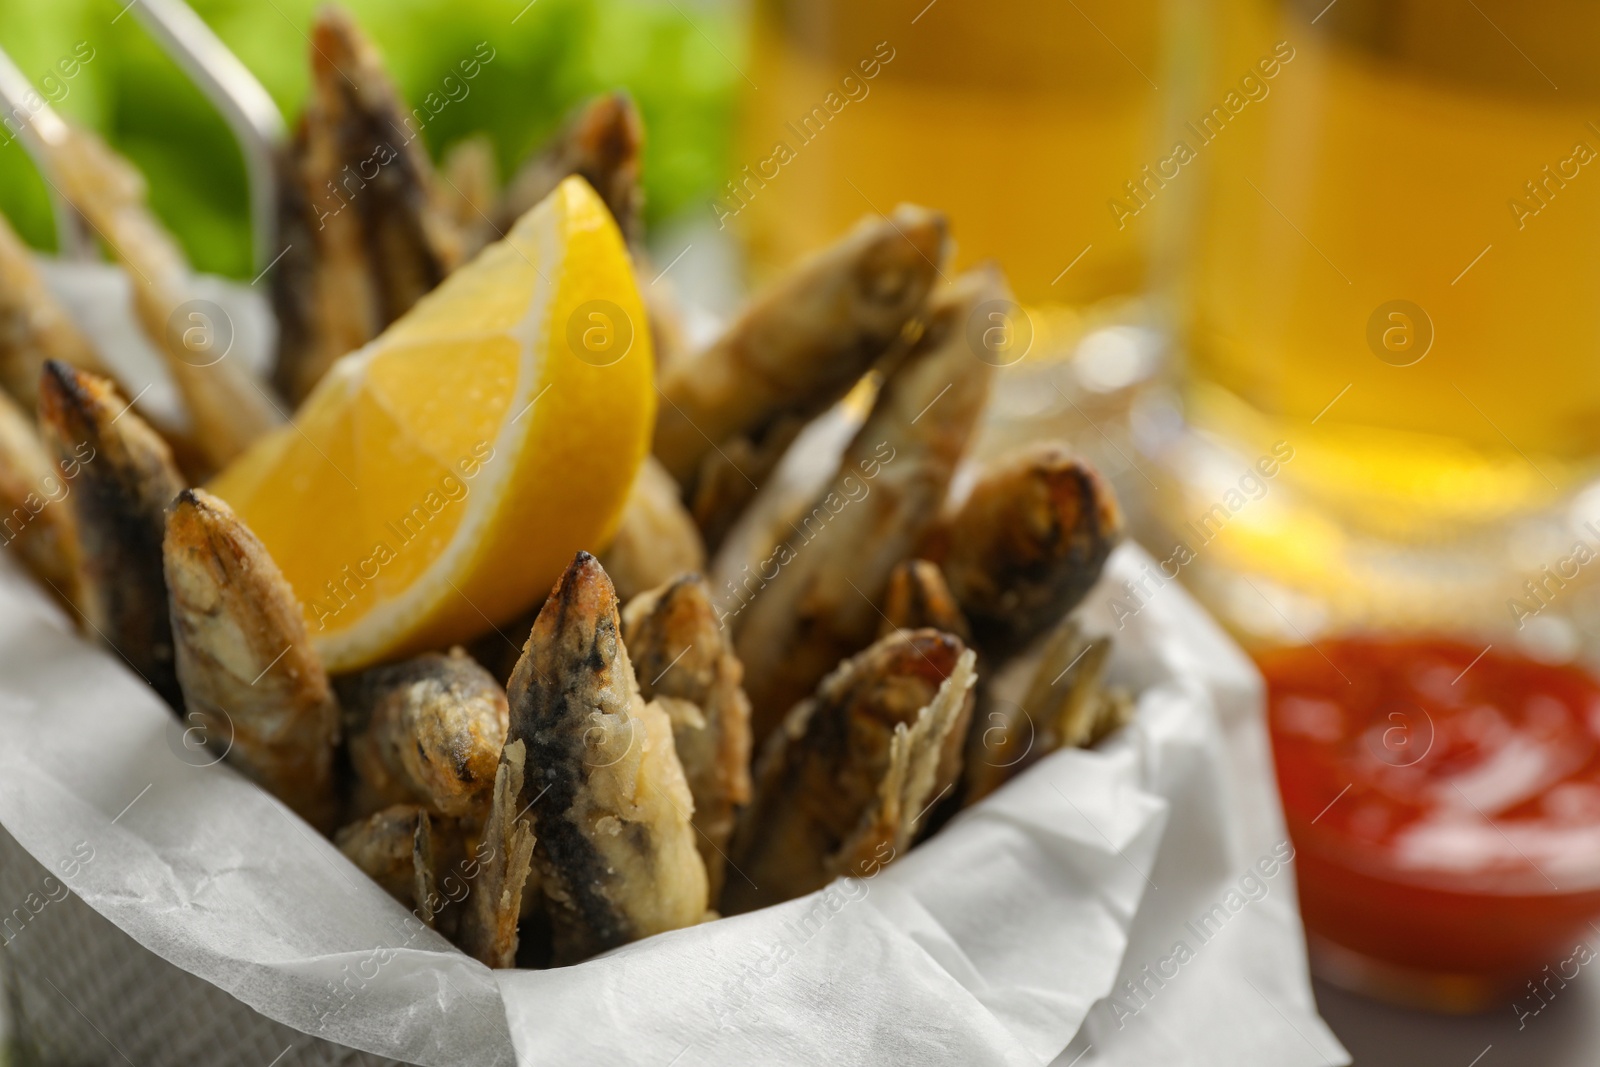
(1384, 164)
(1018, 118)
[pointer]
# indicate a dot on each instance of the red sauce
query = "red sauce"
(1444, 801)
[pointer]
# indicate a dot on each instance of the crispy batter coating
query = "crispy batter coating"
(426, 730)
(685, 663)
(615, 852)
(821, 606)
(1028, 544)
(730, 477)
(830, 784)
(656, 540)
(361, 192)
(245, 661)
(125, 481)
(489, 924)
(35, 520)
(802, 344)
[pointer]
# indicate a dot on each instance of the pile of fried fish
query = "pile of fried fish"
(650, 756)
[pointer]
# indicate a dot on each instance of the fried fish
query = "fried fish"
(918, 597)
(821, 605)
(799, 346)
(426, 730)
(615, 848)
(833, 783)
(126, 479)
(245, 660)
(1028, 544)
(686, 664)
(366, 201)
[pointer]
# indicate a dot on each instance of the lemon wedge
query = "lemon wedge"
(439, 478)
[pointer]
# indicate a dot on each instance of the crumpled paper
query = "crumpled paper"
(1038, 927)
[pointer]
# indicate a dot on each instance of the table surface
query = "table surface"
(1566, 1033)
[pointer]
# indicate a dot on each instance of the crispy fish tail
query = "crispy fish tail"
(245, 661)
(426, 730)
(489, 925)
(615, 852)
(685, 662)
(125, 480)
(833, 783)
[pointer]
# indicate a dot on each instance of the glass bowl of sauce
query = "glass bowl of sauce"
(1444, 804)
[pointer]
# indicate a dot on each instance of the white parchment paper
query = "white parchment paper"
(1003, 940)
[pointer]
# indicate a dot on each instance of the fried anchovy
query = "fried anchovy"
(917, 597)
(601, 144)
(924, 766)
(426, 730)
(820, 606)
(125, 481)
(394, 847)
(34, 326)
(245, 661)
(35, 523)
(615, 852)
(378, 238)
(684, 662)
(803, 343)
(1028, 544)
(227, 407)
(1061, 707)
(657, 540)
(489, 924)
(820, 780)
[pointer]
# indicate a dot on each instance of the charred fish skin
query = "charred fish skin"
(35, 521)
(615, 849)
(379, 237)
(883, 499)
(245, 661)
(803, 343)
(820, 774)
(1029, 543)
(684, 658)
(426, 730)
(602, 143)
(119, 503)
